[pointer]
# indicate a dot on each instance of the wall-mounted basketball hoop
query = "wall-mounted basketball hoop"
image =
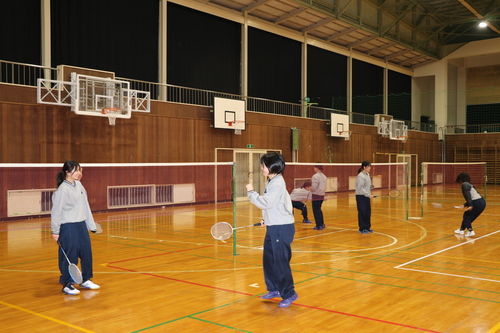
(238, 125)
(345, 134)
(402, 138)
(112, 114)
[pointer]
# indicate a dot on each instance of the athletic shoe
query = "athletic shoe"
(364, 231)
(306, 221)
(318, 228)
(369, 230)
(90, 285)
(270, 294)
(470, 233)
(287, 302)
(459, 231)
(323, 226)
(68, 289)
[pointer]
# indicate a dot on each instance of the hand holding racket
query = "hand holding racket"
(74, 272)
(223, 230)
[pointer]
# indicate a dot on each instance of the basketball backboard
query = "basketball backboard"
(393, 129)
(339, 125)
(94, 94)
(229, 114)
(89, 95)
(398, 130)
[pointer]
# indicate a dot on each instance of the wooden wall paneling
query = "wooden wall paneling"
(178, 133)
(477, 79)
(17, 94)
(4, 134)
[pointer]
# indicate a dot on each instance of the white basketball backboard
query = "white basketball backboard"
(229, 113)
(339, 125)
(89, 95)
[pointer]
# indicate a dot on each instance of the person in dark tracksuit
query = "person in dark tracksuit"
(277, 216)
(71, 218)
(363, 188)
(474, 205)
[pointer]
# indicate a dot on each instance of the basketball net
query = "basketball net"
(346, 137)
(237, 131)
(112, 114)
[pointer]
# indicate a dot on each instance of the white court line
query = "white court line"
(439, 273)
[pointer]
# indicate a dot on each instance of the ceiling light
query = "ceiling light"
(483, 24)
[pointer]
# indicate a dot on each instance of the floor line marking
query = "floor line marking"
(45, 317)
(444, 250)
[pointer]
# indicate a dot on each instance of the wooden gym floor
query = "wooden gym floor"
(161, 271)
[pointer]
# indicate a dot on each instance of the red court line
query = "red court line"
(367, 318)
(246, 294)
(183, 281)
(296, 304)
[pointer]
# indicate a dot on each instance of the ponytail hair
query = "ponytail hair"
(68, 166)
(363, 165)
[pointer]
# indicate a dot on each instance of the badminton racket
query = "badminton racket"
(98, 230)
(392, 193)
(223, 230)
(440, 205)
(74, 272)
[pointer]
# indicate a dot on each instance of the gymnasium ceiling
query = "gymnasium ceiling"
(408, 33)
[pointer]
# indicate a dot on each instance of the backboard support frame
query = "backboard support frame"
(89, 95)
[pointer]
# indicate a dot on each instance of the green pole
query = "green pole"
(422, 192)
(485, 178)
(234, 208)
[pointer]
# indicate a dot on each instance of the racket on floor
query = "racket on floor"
(392, 193)
(223, 230)
(74, 272)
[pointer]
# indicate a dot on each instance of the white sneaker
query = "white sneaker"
(68, 289)
(460, 232)
(89, 285)
(470, 233)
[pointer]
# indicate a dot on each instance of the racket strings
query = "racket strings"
(394, 193)
(73, 270)
(75, 273)
(222, 230)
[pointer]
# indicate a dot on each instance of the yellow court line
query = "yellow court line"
(45, 317)
(494, 328)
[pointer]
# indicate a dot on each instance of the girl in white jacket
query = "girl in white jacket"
(71, 219)
(277, 216)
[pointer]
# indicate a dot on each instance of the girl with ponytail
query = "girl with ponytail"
(71, 218)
